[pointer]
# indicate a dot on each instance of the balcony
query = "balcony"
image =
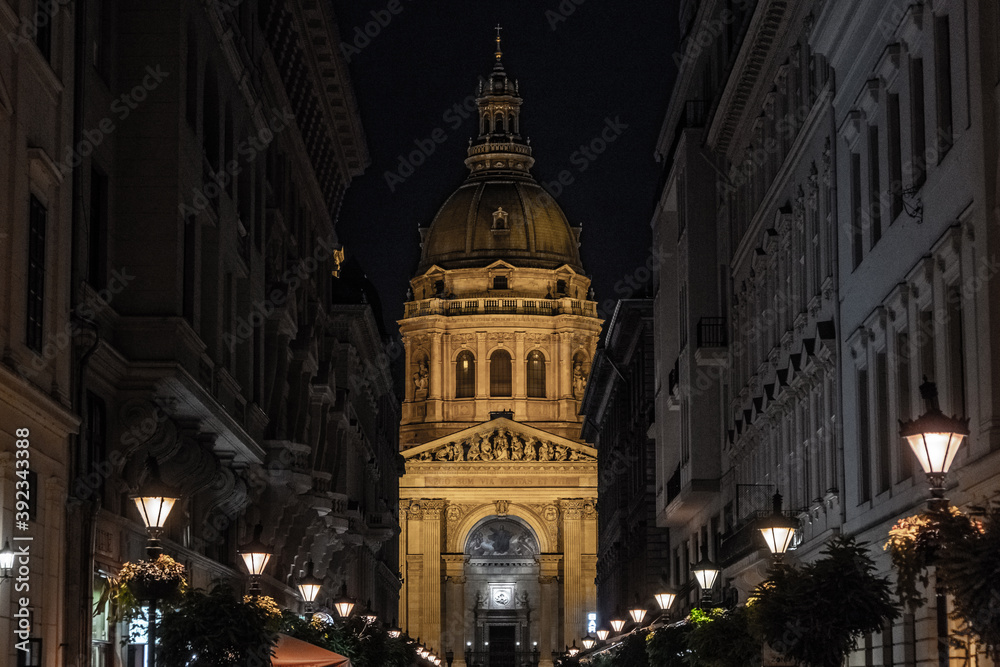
(712, 339)
(745, 538)
(501, 306)
(685, 498)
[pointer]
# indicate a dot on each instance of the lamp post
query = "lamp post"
(934, 439)
(778, 531)
(617, 624)
(706, 572)
(154, 500)
(588, 641)
(394, 630)
(603, 633)
(573, 650)
(637, 612)
(255, 555)
(309, 587)
(6, 561)
(343, 604)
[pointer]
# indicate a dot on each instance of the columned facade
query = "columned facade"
(498, 501)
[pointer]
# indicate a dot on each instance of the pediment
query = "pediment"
(501, 440)
(567, 270)
(500, 264)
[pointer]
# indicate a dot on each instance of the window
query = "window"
(500, 374)
(97, 269)
(35, 304)
(33, 656)
(536, 374)
(903, 396)
(956, 352)
(918, 159)
(874, 186)
(895, 159)
(857, 230)
(97, 437)
(864, 440)
(465, 375)
(942, 79)
(43, 28)
(191, 81)
(561, 287)
(883, 439)
(499, 282)
(103, 33)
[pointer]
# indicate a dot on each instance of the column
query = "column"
(548, 579)
(565, 365)
(430, 623)
(437, 366)
(520, 367)
(574, 619)
(455, 611)
(413, 561)
(408, 359)
(482, 376)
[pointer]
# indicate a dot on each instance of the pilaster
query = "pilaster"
(574, 619)
(548, 579)
(433, 511)
(455, 612)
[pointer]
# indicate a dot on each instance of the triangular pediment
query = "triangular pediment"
(501, 440)
(566, 269)
(500, 264)
(435, 270)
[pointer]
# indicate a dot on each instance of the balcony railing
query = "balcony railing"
(712, 332)
(501, 306)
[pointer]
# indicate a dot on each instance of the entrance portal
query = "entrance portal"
(501, 645)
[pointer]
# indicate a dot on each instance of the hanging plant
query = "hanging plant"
(913, 546)
(814, 615)
(161, 579)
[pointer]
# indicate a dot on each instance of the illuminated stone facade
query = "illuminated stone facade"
(498, 517)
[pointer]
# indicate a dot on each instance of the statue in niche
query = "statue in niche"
(420, 377)
(579, 379)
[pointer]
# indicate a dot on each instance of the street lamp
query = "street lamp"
(637, 613)
(6, 561)
(934, 439)
(309, 587)
(368, 615)
(588, 641)
(255, 555)
(343, 604)
(617, 624)
(394, 630)
(573, 650)
(603, 633)
(665, 599)
(778, 531)
(154, 500)
(706, 572)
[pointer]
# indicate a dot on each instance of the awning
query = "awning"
(291, 651)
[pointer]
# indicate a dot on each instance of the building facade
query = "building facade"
(173, 290)
(830, 190)
(619, 404)
(497, 509)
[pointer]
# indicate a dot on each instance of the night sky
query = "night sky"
(606, 62)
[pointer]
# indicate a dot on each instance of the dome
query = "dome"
(489, 219)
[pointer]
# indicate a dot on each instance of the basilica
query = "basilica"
(498, 500)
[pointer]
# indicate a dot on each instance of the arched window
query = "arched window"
(500, 374)
(498, 127)
(465, 375)
(536, 374)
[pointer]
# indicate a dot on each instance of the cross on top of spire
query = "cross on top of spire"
(499, 53)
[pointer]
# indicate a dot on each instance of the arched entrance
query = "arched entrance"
(502, 592)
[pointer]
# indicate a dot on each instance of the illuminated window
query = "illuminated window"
(536, 374)
(465, 375)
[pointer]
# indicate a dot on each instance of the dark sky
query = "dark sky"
(605, 61)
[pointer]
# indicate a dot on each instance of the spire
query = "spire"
(499, 53)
